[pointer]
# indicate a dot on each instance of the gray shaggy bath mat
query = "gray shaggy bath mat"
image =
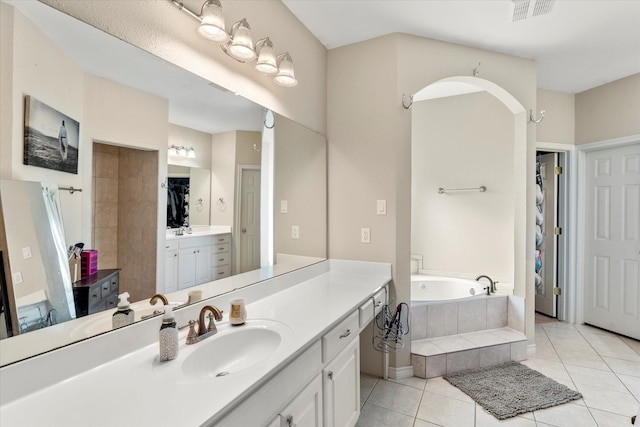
(511, 389)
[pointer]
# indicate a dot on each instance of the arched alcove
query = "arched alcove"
(472, 232)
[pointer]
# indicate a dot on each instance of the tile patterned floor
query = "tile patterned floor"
(604, 367)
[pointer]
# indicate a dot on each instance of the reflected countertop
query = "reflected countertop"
(199, 230)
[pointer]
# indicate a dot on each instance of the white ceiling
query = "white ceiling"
(580, 44)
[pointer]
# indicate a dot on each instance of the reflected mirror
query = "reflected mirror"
(32, 226)
(188, 196)
(229, 137)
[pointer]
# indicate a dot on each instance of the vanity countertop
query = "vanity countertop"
(198, 231)
(139, 395)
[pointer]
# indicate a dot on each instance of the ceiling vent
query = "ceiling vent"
(521, 8)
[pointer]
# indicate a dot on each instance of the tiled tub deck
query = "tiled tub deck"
(449, 337)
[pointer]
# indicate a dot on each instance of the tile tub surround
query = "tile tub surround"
(611, 392)
(309, 301)
(449, 337)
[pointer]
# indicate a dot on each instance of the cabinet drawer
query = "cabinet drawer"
(367, 309)
(114, 284)
(220, 248)
(112, 302)
(193, 242)
(221, 238)
(95, 295)
(336, 339)
(105, 288)
(220, 272)
(218, 260)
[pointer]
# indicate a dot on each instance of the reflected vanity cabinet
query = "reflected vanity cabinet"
(191, 261)
(96, 293)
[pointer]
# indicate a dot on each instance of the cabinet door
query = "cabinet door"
(341, 380)
(186, 268)
(306, 409)
(203, 264)
(171, 271)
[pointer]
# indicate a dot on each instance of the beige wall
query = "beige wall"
(558, 125)
(160, 28)
(223, 178)
(200, 141)
(369, 136)
(608, 111)
(463, 234)
(300, 178)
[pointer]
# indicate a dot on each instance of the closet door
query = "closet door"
(546, 280)
(612, 240)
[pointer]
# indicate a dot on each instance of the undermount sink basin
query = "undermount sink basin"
(232, 350)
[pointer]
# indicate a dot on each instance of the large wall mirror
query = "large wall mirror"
(229, 135)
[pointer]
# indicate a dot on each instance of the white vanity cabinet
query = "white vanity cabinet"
(305, 410)
(171, 267)
(341, 373)
(194, 261)
(221, 256)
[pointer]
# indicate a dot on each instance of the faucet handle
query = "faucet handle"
(192, 336)
(211, 327)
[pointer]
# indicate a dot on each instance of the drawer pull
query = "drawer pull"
(378, 304)
(290, 421)
(330, 375)
(220, 273)
(346, 334)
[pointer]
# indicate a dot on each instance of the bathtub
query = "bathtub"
(439, 288)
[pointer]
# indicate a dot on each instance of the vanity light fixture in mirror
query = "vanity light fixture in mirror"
(238, 44)
(182, 151)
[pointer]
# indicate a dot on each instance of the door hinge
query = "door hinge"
(557, 291)
(557, 231)
(558, 170)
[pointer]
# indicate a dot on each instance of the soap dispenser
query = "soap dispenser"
(168, 339)
(124, 315)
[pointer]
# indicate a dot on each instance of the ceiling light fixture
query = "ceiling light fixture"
(238, 43)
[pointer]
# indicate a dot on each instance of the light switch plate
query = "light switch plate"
(26, 252)
(295, 232)
(284, 208)
(17, 278)
(381, 207)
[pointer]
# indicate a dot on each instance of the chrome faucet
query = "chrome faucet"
(203, 332)
(180, 231)
(491, 289)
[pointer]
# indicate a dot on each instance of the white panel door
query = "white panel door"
(612, 240)
(250, 221)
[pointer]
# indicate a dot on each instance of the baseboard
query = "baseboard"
(531, 350)
(400, 373)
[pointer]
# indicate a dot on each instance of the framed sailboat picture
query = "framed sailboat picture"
(51, 138)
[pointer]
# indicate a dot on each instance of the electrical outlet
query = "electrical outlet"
(381, 207)
(365, 235)
(17, 278)
(284, 208)
(295, 232)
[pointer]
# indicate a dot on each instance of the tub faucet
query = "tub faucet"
(491, 289)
